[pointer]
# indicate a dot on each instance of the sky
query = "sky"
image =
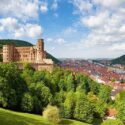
(70, 28)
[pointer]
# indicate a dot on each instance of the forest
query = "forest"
(77, 96)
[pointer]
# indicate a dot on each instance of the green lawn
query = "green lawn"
(8, 117)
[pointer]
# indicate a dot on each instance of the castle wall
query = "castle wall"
(8, 53)
(22, 54)
(34, 55)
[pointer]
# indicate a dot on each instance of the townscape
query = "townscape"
(109, 75)
(62, 62)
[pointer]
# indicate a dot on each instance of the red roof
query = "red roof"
(111, 112)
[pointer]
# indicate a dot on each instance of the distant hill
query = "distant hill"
(14, 42)
(24, 43)
(119, 60)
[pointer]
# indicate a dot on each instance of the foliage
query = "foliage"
(69, 105)
(121, 110)
(77, 96)
(41, 96)
(120, 96)
(51, 113)
(104, 93)
(83, 109)
(98, 105)
(119, 60)
(1, 58)
(12, 86)
(70, 83)
(14, 42)
(27, 103)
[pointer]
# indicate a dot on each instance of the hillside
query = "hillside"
(24, 43)
(14, 42)
(8, 117)
(119, 60)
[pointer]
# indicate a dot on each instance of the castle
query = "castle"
(34, 55)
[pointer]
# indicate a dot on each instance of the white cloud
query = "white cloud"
(49, 39)
(111, 4)
(82, 5)
(22, 9)
(95, 20)
(17, 16)
(118, 47)
(100, 25)
(9, 24)
(69, 31)
(17, 29)
(44, 7)
(59, 41)
(54, 5)
(29, 30)
(106, 22)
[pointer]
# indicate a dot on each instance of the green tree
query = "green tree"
(27, 75)
(120, 96)
(121, 110)
(12, 99)
(4, 92)
(41, 93)
(83, 83)
(12, 85)
(59, 98)
(83, 109)
(70, 83)
(105, 93)
(69, 105)
(94, 87)
(98, 105)
(27, 103)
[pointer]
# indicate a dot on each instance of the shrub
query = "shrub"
(112, 122)
(51, 113)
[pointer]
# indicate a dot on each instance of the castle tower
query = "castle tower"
(8, 53)
(40, 51)
(40, 45)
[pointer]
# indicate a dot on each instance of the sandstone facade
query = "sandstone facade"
(35, 55)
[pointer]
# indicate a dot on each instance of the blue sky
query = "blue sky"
(71, 28)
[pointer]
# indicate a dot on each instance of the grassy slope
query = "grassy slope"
(15, 118)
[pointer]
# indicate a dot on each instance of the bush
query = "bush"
(112, 122)
(51, 113)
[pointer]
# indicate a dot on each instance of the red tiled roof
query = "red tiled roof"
(111, 112)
